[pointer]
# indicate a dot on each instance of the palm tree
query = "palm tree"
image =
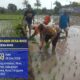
(25, 3)
(57, 7)
(37, 4)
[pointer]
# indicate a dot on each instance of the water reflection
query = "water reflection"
(62, 46)
(6, 28)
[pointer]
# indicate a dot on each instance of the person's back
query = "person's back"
(64, 21)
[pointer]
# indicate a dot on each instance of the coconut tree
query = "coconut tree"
(25, 3)
(57, 7)
(37, 4)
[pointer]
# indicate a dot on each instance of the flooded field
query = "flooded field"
(6, 28)
(64, 65)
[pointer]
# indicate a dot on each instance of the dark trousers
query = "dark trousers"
(54, 41)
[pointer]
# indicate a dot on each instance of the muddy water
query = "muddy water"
(65, 65)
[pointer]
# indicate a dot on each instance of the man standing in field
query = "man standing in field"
(64, 22)
(28, 17)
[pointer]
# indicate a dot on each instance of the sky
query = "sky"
(44, 3)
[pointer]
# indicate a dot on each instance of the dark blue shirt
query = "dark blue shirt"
(29, 14)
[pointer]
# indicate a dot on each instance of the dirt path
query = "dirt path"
(65, 65)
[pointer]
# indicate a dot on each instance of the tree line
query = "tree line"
(12, 8)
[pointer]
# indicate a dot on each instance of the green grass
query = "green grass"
(15, 20)
(10, 17)
(17, 26)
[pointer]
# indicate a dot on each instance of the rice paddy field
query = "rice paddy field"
(63, 65)
(10, 17)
